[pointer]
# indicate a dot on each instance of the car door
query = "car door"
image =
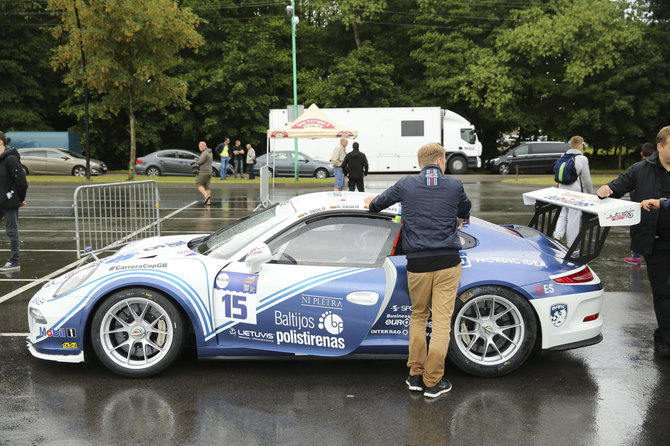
(168, 162)
(305, 166)
(327, 283)
(283, 163)
(35, 160)
(185, 161)
(521, 158)
(58, 163)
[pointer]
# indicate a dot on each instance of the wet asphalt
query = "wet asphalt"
(614, 393)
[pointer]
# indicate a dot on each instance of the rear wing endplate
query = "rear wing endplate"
(598, 215)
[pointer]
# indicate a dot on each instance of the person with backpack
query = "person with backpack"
(571, 172)
(13, 188)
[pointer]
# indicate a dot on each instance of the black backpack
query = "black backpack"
(565, 171)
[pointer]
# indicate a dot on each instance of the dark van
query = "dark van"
(530, 156)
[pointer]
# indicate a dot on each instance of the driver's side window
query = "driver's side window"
(337, 241)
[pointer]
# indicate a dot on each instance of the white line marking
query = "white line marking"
(18, 291)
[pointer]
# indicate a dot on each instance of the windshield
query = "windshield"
(225, 242)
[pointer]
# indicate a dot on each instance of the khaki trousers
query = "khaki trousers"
(436, 290)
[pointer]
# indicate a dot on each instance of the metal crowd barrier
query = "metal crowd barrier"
(107, 216)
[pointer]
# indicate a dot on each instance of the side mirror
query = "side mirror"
(257, 257)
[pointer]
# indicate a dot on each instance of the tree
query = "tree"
(30, 93)
(130, 46)
(348, 12)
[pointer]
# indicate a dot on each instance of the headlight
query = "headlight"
(37, 315)
(76, 278)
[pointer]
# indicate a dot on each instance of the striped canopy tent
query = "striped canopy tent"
(312, 124)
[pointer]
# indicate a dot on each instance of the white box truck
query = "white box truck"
(390, 137)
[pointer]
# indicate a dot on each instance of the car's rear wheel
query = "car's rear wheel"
(137, 332)
(321, 173)
(503, 169)
(153, 172)
(215, 173)
(79, 171)
(494, 331)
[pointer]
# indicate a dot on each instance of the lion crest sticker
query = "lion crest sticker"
(558, 312)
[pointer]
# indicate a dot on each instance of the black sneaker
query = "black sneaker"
(10, 267)
(442, 387)
(415, 383)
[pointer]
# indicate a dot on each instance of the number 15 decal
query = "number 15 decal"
(235, 298)
(234, 306)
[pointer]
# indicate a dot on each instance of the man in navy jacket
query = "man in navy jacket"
(434, 206)
(650, 179)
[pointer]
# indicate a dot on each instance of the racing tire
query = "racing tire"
(137, 332)
(503, 169)
(79, 171)
(457, 165)
(493, 331)
(153, 171)
(321, 173)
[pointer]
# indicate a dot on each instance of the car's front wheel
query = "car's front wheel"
(503, 169)
(321, 173)
(494, 331)
(79, 171)
(25, 170)
(137, 332)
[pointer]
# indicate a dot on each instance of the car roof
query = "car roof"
(333, 201)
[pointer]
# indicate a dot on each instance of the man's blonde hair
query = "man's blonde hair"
(429, 153)
(576, 141)
(662, 136)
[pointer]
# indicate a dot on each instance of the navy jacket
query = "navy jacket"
(13, 184)
(431, 205)
(643, 177)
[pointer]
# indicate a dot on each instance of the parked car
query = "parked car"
(315, 275)
(281, 163)
(48, 161)
(530, 156)
(172, 162)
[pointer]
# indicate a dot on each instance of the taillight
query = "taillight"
(138, 160)
(580, 276)
(593, 317)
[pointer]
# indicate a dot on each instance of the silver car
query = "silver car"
(282, 164)
(172, 162)
(48, 161)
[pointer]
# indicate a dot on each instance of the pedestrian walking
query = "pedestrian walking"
(223, 151)
(238, 159)
(355, 168)
(13, 189)
(431, 244)
(251, 161)
(650, 179)
(569, 219)
(204, 176)
(336, 160)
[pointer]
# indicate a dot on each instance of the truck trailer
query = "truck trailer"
(391, 136)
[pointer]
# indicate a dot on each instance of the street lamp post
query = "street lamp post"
(294, 21)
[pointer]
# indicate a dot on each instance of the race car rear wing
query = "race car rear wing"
(598, 215)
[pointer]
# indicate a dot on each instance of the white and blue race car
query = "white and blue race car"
(315, 275)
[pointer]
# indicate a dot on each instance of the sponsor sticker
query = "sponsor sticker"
(558, 314)
(69, 345)
(235, 298)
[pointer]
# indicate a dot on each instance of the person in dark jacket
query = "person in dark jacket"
(13, 188)
(650, 179)
(434, 206)
(355, 167)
